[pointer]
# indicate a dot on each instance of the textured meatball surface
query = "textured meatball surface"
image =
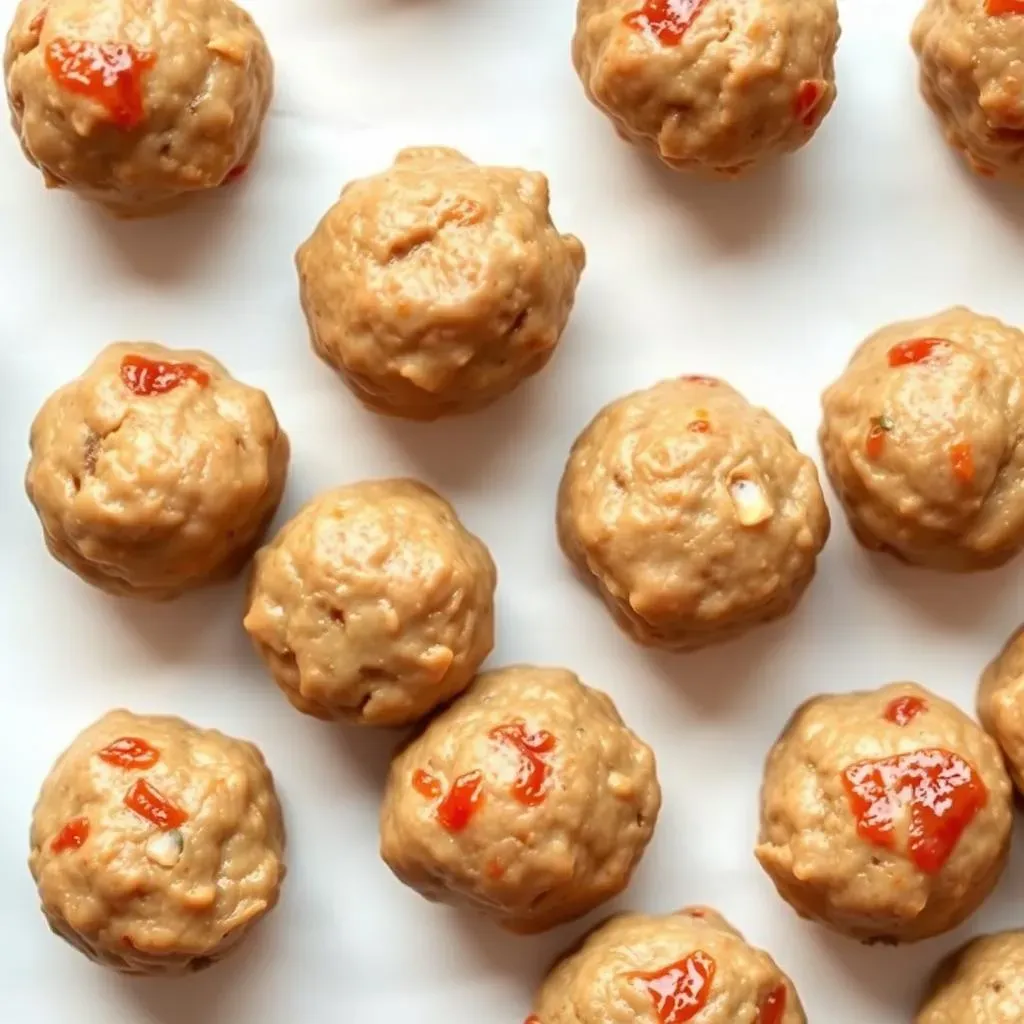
(1001, 705)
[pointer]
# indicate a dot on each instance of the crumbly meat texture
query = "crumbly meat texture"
(746, 81)
(549, 836)
(809, 842)
(437, 286)
(187, 108)
(1001, 704)
(147, 899)
(151, 495)
(693, 513)
(374, 604)
(927, 456)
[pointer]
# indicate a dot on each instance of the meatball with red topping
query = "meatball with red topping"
(1001, 704)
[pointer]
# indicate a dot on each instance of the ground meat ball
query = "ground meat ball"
(692, 511)
(710, 85)
(156, 845)
(527, 799)
(1001, 705)
(374, 604)
(437, 286)
(155, 471)
(884, 814)
(923, 439)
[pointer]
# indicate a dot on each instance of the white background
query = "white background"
(769, 282)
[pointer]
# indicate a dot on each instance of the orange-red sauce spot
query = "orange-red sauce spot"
(147, 803)
(496, 870)
(773, 1007)
(463, 801)
(961, 457)
(875, 443)
(235, 173)
(903, 710)
(696, 378)
(698, 426)
(130, 752)
(72, 836)
(532, 1019)
(146, 377)
(666, 20)
(680, 991)
(808, 96)
(425, 784)
(534, 776)
(1003, 7)
(916, 350)
(36, 24)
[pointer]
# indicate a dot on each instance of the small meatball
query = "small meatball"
(885, 814)
(716, 86)
(137, 105)
(374, 604)
(437, 286)
(156, 845)
(1001, 706)
(527, 800)
(923, 439)
(693, 513)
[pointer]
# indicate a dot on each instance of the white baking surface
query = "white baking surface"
(769, 282)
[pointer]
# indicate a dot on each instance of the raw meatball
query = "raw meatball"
(1001, 706)
(437, 286)
(710, 85)
(527, 799)
(683, 966)
(374, 604)
(155, 471)
(884, 814)
(693, 512)
(156, 845)
(923, 439)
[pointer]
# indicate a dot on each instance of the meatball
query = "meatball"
(1001, 705)
(715, 86)
(436, 287)
(885, 814)
(923, 439)
(693, 512)
(673, 967)
(155, 471)
(526, 799)
(156, 845)
(374, 604)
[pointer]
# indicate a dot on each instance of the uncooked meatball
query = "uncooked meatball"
(1001, 706)
(923, 439)
(155, 471)
(374, 604)
(885, 814)
(437, 286)
(156, 845)
(714, 86)
(136, 105)
(527, 799)
(692, 512)
(691, 965)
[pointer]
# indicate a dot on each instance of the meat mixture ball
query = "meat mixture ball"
(693, 513)
(437, 286)
(527, 799)
(710, 85)
(133, 104)
(885, 814)
(156, 845)
(374, 604)
(1001, 707)
(923, 439)
(155, 471)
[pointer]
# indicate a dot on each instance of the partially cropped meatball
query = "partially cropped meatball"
(923, 439)
(155, 471)
(156, 845)
(715, 86)
(527, 799)
(1001, 705)
(885, 814)
(438, 286)
(374, 604)
(693, 513)
(136, 105)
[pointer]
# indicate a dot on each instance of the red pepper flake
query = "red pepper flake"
(425, 784)
(961, 456)
(999, 8)
(875, 444)
(235, 173)
(680, 991)
(534, 777)
(666, 20)
(903, 710)
(72, 836)
(146, 377)
(808, 96)
(147, 803)
(917, 350)
(130, 752)
(462, 802)
(532, 1019)
(772, 1009)
(698, 427)
(496, 870)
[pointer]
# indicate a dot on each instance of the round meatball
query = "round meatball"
(374, 604)
(155, 471)
(1001, 705)
(693, 513)
(527, 799)
(691, 964)
(715, 86)
(156, 845)
(923, 439)
(884, 814)
(437, 286)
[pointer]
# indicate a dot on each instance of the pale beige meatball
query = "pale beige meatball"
(715, 86)
(1001, 705)
(156, 845)
(692, 512)
(155, 471)
(923, 439)
(885, 814)
(374, 604)
(527, 799)
(438, 285)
